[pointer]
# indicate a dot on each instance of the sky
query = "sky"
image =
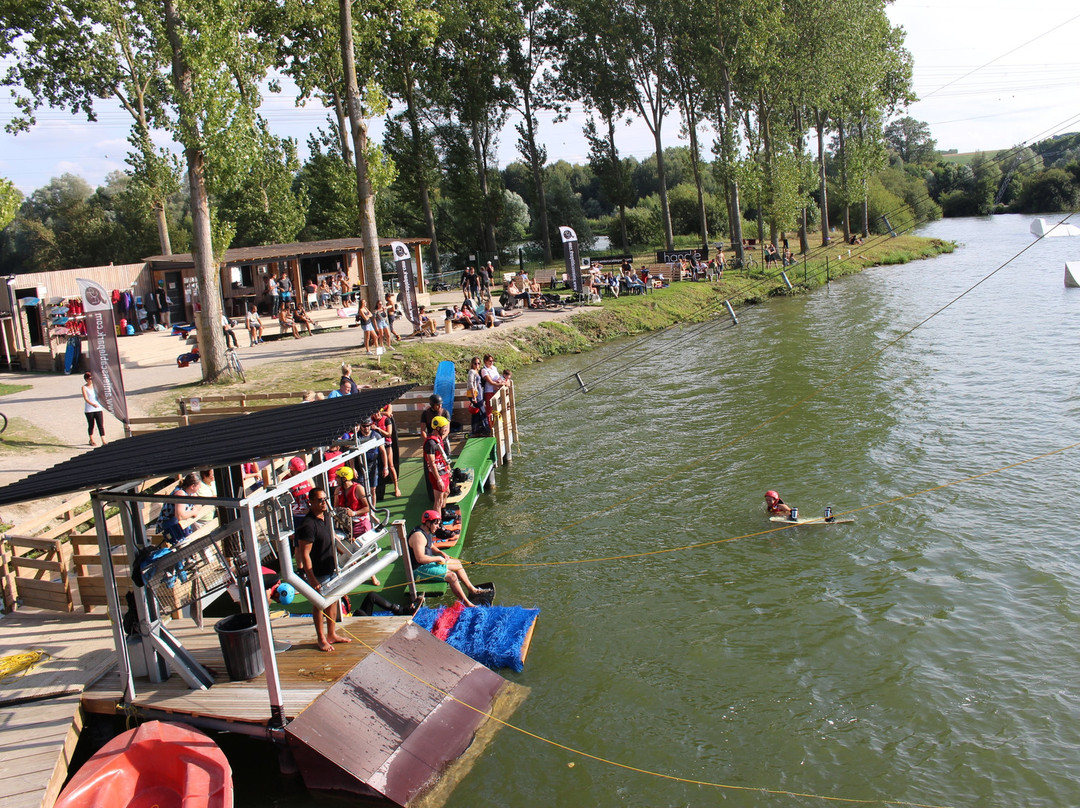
(989, 74)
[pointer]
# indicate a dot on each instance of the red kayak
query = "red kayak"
(156, 764)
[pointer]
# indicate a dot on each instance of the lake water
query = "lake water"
(925, 653)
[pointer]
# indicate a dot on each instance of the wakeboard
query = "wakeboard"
(811, 520)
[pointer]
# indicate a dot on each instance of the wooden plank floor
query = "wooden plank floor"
(80, 649)
(40, 719)
(305, 672)
(38, 740)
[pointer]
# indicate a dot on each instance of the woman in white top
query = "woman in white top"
(493, 380)
(95, 413)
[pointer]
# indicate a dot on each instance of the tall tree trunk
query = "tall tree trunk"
(764, 119)
(695, 162)
(342, 128)
(819, 118)
(665, 209)
(617, 172)
(413, 115)
(162, 227)
(369, 232)
(800, 146)
(209, 333)
(727, 151)
(538, 177)
(845, 192)
(865, 212)
(482, 173)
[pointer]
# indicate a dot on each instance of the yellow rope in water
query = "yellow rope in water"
(23, 662)
(636, 769)
(713, 542)
(701, 459)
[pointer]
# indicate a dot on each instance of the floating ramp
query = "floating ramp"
(1072, 274)
(1043, 229)
(404, 725)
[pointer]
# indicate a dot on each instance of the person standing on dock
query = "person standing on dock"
(493, 380)
(437, 461)
(434, 410)
(315, 542)
(431, 562)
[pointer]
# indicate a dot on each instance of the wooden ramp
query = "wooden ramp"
(399, 724)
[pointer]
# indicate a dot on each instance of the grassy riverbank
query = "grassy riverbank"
(684, 302)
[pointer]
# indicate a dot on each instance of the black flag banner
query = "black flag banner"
(102, 353)
(406, 282)
(573, 257)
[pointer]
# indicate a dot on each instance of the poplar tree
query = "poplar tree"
(202, 60)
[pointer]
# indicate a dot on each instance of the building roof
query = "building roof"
(211, 444)
(278, 252)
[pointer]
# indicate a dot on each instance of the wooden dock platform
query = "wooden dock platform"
(40, 715)
(305, 672)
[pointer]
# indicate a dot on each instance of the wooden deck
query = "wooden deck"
(305, 672)
(40, 718)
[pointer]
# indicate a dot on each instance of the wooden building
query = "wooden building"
(27, 340)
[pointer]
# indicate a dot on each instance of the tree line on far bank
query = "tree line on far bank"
(785, 104)
(68, 223)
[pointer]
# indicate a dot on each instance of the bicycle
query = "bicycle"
(233, 365)
(748, 262)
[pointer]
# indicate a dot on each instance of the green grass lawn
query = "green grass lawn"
(23, 436)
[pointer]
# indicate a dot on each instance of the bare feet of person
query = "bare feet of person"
(92, 442)
(375, 581)
(325, 645)
(336, 638)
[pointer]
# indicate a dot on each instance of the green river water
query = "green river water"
(924, 654)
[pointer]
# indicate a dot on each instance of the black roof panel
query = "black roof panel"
(211, 444)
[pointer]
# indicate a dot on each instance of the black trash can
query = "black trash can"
(239, 638)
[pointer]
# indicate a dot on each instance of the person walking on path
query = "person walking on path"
(95, 413)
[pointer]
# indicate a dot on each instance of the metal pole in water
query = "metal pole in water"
(585, 389)
(731, 311)
(783, 274)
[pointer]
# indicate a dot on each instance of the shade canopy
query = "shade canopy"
(212, 444)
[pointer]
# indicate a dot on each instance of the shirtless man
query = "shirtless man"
(431, 562)
(776, 506)
(315, 542)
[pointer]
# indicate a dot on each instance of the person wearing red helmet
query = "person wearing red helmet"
(300, 491)
(776, 506)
